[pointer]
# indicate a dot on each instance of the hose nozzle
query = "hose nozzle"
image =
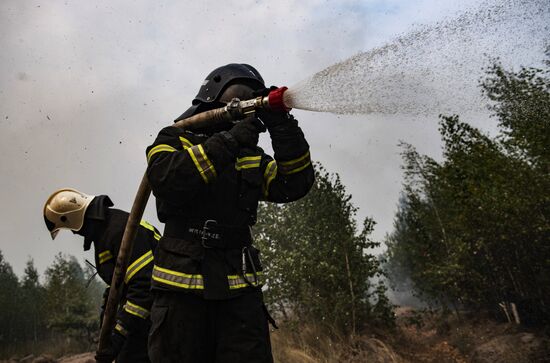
(275, 100)
(237, 110)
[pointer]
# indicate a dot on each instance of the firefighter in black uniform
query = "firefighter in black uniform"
(207, 275)
(91, 217)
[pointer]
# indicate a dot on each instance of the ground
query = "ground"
(420, 337)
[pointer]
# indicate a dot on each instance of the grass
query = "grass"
(312, 343)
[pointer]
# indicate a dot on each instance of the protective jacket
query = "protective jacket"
(207, 191)
(104, 228)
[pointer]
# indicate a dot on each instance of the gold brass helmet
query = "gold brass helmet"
(66, 209)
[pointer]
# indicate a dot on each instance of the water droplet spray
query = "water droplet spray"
(433, 68)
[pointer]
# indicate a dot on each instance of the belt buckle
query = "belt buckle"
(205, 232)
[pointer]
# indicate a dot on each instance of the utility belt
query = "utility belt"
(210, 233)
(215, 260)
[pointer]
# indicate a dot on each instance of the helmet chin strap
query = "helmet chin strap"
(87, 243)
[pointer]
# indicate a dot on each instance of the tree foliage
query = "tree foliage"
(67, 298)
(317, 262)
(473, 230)
(64, 306)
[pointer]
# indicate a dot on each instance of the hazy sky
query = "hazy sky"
(86, 85)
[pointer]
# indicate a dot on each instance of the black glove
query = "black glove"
(247, 132)
(110, 354)
(270, 119)
(262, 92)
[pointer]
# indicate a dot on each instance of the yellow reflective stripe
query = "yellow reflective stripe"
(190, 151)
(158, 149)
(195, 282)
(119, 328)
(248, 162)
(269, 174)
(203, 164)
(208, 162)
(177, 279)
(138, 265)
(136, 310)
(250, 158)
(238, 282)
(294, 166)
(294, 161)
(298, 169)
(185, 143)
(104, 256)
(150, 227)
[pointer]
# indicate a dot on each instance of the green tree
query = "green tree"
(9, 289)
(32, 295)
(521, 101)
(473, 230)
(317, 262)
(68, 302)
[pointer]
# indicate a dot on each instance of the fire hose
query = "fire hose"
(235, 110)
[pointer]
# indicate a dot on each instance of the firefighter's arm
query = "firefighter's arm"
(290, 176)
(134, 314)
(137, 279)
(177, 168)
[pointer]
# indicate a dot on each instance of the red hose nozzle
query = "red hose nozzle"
(275, 100)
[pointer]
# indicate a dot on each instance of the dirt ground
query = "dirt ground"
(430, 338)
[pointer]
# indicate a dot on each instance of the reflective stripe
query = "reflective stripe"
(177, 279)
(248, 162)
(186, 143)
(138, 265)
(296, 165)
(136, 310)
(158, 149)
(105, 256)
(269, 174)
(203, 164)
(150, 227)
(238, 282)
(195, 282)
(119, 328)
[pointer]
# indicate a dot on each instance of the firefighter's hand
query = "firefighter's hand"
(272, 119)
(110, 354)
(247, 132)
(262, 92)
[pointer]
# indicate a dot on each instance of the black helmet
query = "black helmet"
(217, 81)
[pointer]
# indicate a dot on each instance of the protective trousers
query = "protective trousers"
(189, 329)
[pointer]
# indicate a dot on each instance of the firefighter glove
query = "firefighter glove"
(272, 119)
(247, 132)
(110, 354)
(262, 92)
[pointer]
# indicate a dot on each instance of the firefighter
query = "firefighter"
(207, 275)
(93, 218)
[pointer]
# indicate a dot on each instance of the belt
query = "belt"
(210, 233)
